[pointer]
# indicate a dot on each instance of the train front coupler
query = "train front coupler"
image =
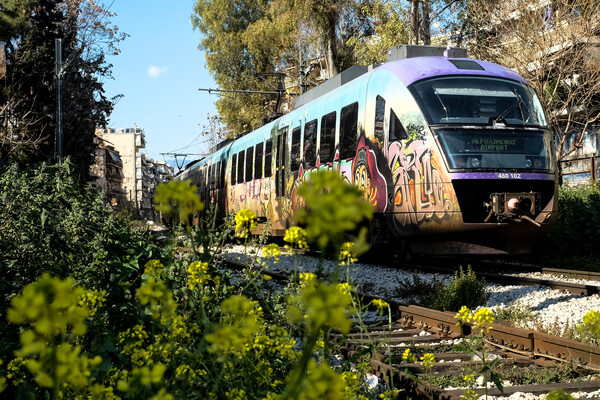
(514, 207)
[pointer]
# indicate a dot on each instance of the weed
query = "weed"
(464, 289)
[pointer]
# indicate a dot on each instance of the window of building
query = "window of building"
(348, 130)
(310, 144)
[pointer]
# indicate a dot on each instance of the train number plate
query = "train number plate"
(508, 175)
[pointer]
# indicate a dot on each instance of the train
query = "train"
(454, 154)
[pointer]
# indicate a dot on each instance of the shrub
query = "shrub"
(464, 289)
(576, 231)
(50, 224)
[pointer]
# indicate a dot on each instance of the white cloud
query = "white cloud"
(155, 71)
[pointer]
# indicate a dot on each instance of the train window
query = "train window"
(310, 144)
(211, 177)
(268, 157)
(240, 167)
(478, 100)
(223, 171)
(249, 163)
(295, 158)
(397, 131)
(209, 183)
(327, 146)
(233, 168)
(348, 130)
(258, 159)
(379, 117)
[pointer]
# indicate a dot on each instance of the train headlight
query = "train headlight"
(475, 162)
(528, 163)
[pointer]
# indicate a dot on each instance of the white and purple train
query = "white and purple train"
(454, 154)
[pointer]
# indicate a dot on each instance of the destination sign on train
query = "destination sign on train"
(494, 144)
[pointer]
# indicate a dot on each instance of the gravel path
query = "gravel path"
(555, 310)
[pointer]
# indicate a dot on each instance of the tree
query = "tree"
(389, 28)
(244, 38)
(28, 92)
(554, 47)
(223, 24)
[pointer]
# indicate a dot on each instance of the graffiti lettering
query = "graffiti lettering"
(419, 190)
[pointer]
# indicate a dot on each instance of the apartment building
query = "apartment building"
(140, 174)
(108, 173)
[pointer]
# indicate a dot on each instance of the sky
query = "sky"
(159, 72)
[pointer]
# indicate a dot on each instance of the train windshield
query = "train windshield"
(478, 100)
(481, 148)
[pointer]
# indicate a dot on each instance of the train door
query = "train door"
(280, 161)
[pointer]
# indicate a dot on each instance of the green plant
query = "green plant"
(481, 322)
(515, 314)
(465, 288)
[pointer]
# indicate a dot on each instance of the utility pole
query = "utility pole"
(58, 143)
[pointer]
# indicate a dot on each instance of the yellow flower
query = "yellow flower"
(198, 274)
(242, 319)
(320, 305)
(307, 279)
(296, 237)
(179, 198)
(408, 356)
(51, 306)
(154, 268)
(272, 251)
(483, 319)
(428, 360)
(93, 300)
(245, 220)
(347, 255)
(380, 304)
(344, 287)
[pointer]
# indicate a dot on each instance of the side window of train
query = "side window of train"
(326, 150)
(258, 161)
(215, 175)
(397, 131)
(268, 157)
(348, 130)
(379, 118)
(310, 144)
(209, 176)
(295, 151)
(223, 171)
(233, 168)
(240, 167)
(249, 163)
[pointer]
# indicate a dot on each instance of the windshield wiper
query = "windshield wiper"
(518, 103)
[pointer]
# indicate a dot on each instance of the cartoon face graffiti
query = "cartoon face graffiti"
(367, 176)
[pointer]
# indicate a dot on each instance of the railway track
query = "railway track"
(522, 354)
(511, 274)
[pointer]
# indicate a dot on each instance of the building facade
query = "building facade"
(108, 173)
(141, 174)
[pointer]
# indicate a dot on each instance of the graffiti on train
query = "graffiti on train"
(420, 192)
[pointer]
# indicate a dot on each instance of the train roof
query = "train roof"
(411, 70)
